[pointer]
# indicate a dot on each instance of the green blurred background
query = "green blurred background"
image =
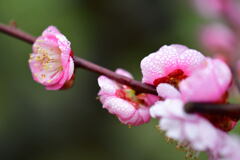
(36, 124)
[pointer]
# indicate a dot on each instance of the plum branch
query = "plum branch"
(232, 110)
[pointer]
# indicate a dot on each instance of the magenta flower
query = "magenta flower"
(194, 131)
(51, 62)
(218, 39)
(122, 101)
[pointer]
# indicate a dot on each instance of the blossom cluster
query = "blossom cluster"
(180, 75)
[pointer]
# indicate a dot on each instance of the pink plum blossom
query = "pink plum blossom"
(179, 72)
(122, 101)
(194, 131)
(218, 39)
(51, 62)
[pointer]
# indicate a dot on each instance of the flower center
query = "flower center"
(129, 95)
(48, 61)
(172, 78)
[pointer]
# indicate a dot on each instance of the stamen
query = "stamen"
(172, 78)
(43, 76)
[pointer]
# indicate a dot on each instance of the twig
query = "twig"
(17, 33)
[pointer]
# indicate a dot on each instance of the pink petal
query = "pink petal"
(168, 108)
(124, 73)
(144, 113)
(51, 30)
(64, 46)
(230, 148)
(190, 60)
(167, 91)
(208, 84)
(71, 68)
(134, 120)
(119, 107)
(107, 86)
(62, 81)
(180, 48)
(173, 128)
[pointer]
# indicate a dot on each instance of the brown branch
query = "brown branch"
(138, 86)
(229, 109)
(79, 62)
(232, 110)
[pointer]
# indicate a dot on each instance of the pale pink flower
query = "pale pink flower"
(194, 131)
(188, 129)
(122, 101)
(51, 62)
(218, 39)
(170, 64)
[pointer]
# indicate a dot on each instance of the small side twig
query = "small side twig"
(17, 33)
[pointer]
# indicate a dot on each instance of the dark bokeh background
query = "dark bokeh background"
(36, 124)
